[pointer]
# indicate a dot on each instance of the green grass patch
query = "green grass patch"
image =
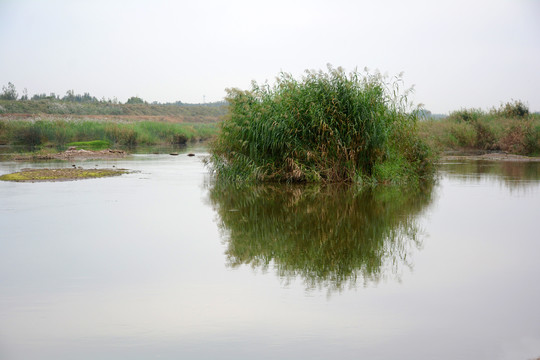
(33, 175)
(91, 145)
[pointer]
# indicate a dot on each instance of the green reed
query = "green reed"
(326, 127)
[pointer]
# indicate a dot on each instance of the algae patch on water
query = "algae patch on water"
(31, 175)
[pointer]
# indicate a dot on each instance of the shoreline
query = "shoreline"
(490, 157)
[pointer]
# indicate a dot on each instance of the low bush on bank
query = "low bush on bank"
(326, 127)
(510, 128)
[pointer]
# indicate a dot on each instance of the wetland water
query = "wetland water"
(163, 264)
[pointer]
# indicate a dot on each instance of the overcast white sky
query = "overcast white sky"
(457, 53)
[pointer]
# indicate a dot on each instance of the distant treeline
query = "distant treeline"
(86, 104)
(9, 92)
(193, 113)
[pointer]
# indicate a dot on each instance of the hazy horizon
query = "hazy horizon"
(457, 54)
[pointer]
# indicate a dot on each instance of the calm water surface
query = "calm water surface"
(164, 264)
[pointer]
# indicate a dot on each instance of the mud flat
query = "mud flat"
(39, 175)
(74, 154)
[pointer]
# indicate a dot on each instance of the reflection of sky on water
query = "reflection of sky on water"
(134, 268)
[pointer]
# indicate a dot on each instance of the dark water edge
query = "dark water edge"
(8, 150)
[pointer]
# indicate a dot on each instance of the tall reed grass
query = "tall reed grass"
(61, 132)
(326, 127)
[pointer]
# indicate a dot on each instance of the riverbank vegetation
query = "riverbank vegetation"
(510, 128)
(62, 132)
(327, 127)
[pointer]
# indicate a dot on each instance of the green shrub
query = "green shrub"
(466, 115)
(513, 109)
(328, 127)
(179, 139)
(30, 134)
(521, 138)
(485, 139)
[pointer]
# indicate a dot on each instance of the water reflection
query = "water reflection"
(515, 175)
(331, 237)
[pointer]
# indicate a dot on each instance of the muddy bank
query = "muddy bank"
(74, 154)
(491, 157)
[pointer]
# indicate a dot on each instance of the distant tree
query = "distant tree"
(70, 96)
(25, 94)
(42, 96)
(9, 92)
(86, 97)
(513, 109)
(135, 100)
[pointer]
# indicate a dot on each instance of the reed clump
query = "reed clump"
(327, 127)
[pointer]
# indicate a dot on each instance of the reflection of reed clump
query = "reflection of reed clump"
(328, 236)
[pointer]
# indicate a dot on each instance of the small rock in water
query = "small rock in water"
(173, 154)
(190, 154)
